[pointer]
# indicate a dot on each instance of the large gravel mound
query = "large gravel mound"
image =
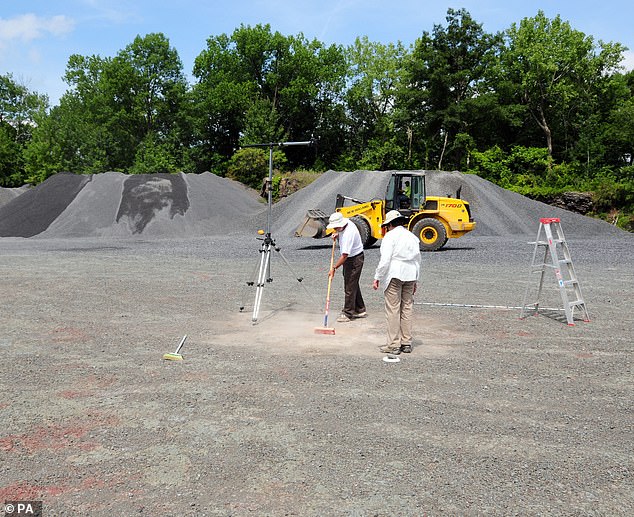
(32, 212)
(192, 205)
(115, 204)
(497, 211)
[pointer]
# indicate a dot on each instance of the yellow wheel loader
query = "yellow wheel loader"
(432, 219)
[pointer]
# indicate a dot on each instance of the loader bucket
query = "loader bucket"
(314, 225)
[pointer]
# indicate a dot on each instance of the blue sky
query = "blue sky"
(38, 36)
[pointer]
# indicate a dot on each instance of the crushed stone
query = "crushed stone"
(197, 205)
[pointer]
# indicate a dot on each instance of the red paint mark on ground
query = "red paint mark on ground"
(584, 355)
(69, 335)
(283, 373)
(25, 491)
(523, 333)
(196, 376)
(93, 482)
(100, 381)
(56, 437)
(89, 386)
(71, 394)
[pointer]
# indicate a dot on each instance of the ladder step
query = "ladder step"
(565, 261)
(546, 243)
(576, 302)
(570, 282)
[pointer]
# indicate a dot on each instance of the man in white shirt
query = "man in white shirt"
(397, 272)
(351, 259)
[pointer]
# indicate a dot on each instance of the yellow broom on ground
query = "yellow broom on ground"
(175, 356)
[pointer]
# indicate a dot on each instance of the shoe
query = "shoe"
(390, 350)
(406, 349)
(358, 315)
(343, 319)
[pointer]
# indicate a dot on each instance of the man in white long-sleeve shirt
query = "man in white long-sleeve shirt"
(397, 272)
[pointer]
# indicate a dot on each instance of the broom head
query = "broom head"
(173, 357)
(324, 330)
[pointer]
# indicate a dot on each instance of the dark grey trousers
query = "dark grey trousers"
(353, 303)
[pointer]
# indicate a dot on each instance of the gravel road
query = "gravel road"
(490, 414)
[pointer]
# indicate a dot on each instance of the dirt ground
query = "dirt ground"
(490, 414)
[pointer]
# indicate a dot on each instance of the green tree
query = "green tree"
(256, 85)
(148, 75)
(374, 77)
(153, 156)
(555, 72)
(115, 108)
(446, 84)
(19, 111)
(249, 166)
(615, 133)
(57, 144)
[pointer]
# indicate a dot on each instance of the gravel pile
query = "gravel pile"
(189, 205)
(7, 194)
(32, 212)
(498, 212)
(116, 205)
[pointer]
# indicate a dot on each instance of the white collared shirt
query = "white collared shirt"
(400, 257)
(350, 240)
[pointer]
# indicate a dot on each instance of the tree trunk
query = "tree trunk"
(442, 154)
(541, 121)
(544, 125)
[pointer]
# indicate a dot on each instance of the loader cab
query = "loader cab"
(405, 193)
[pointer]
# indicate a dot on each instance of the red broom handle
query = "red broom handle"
(332, 261)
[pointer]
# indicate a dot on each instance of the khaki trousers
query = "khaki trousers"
(399, 303)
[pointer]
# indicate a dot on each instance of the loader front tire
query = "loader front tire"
(364, 231)
(431, 233)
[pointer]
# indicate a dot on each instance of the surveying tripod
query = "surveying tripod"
(264, 273)
(268, 243)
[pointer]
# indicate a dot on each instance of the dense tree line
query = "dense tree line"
(539, 108)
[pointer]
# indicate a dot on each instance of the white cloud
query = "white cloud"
(28, 27)
(628, 60)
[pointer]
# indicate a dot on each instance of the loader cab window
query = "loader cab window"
(395, 198)
(405, 193)
(417, 194)
(390, 194)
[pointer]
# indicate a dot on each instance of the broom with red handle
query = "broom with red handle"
(326, 329)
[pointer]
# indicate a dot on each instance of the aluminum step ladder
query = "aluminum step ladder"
(557, 258)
